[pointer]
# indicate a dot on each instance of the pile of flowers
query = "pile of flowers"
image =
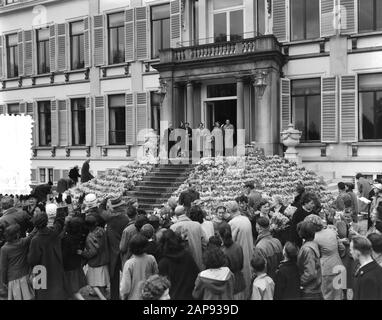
(114, 182)
(222, 179)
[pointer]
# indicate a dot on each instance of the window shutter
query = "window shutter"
(33, 175)
(327, 18)
(88, 121)
(130, 119)
(63, 122)
(28, 52)
(56, 175)
(2, 45)
(21, 53)
(175, 23)
(348, 111)
(2, 108)
(129, 35)
(281, 20)
(142, 115)
(285, 104)
(99, 40)
(30, 111)
(52, 47)
(23, 107)
(54, 122)
(61, 46)
(329, 114)
(348, 16)
(141, 33)
(87, 42)
(99, 120)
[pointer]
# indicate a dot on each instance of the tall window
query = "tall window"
(43, 51)
(261, 14)
(78, 122)
(42, 172)
(117, 120)
(155, 110)
(160, 29)
(77, 55)
(116, 38)
(305, 19)
(228, 20)
(370, 106)
(14, 108)
(12, 56)
(44, 122)
(306, 108)
(369, 15)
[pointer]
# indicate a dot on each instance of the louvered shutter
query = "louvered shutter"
(52, 47)
(28, 52)
(348, 16)
(285, 103)
(327, 18)
(54, 122)
(88, 121)
(65, 174)
(2, 109)
(87, 42)
(99, 120)
(281, 20)
(30, 112)
(141, 33)
(99, 40)
(329, 113)
(130, 119)
(2, 49)
(175, 23)
(21, 53)
(141, 116)
(56, 175)
(61, 46)
(348, 109)
(129, 35)
(33, 175)
(63, 121)
(23, 107)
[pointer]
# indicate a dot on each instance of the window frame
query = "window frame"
(71, 38)
(374, 29)
(161, 33)
(109, 140)
(39, 122)
(46, 47)
(15, 50)
(293, 113)
(72, 136)
(305, 23)
(108, 29)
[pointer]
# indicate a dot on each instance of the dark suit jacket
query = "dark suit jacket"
(368, 282)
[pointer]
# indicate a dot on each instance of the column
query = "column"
(240, 104)
(190, 104)
(167, 107)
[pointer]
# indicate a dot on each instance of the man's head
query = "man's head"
(307, 201)
(341, 186)
(290, 251)
(262, 224)
(258, 264)
(186, 125)
(222, 213)
(249, 187)
(201, 125)
(7, 203)
(306, 230)
(360, 248)
(179, 211)
(358, 176)
(217, 124)
(227, 122)
(131, 212)
(232, 207)
(376, 244)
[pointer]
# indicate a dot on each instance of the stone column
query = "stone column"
(166, 111)
(190, 104)
(240, 104)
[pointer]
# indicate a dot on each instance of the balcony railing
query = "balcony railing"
(223, 49)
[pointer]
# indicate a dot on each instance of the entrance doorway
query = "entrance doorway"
(220, 110)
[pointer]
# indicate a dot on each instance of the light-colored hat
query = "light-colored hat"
(116, 202)
(90, 200)
(179, 210)
(315, 219)
(232, 206)
(51, 210)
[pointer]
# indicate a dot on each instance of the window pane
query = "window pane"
(113, 45)
(121, 45)
(297, 19)
(82, 52)
(42, 175)
(43, 57)
(117, 100)
(312, 19)
(12, 40)
(13, 108)
(221, 90)
(77, 28)
(378, 115)
(78, 122)
(116, 19)
(50, 174)
(220, 27)
(365, 9)
(370, 82)
(306, 86)
(43, 34)
(370, 104)
(117, 120)
(298, 107)
(261, 16)
(236, 27)
(160, 12)
(222, 4)
(156, 38)
(75, 52)
(313, 118)
(44, 123)
(166, 33)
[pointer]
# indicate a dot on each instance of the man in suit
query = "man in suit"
(368, 278)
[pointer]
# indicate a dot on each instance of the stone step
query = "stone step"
(152, 200)
(168, 180)
(150, 189)
(168, 173)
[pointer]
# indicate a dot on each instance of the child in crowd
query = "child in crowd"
(263, 286)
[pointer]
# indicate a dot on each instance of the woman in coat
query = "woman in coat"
(331, 250)
(85, 173)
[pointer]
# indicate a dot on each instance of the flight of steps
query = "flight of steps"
(159, 184)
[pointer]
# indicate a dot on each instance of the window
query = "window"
(261, 14)
(116, 38)
(50, 175)
(77, 55)
(160, 29)
(228, 20)
(155, 111)
(43, 51)
(44, 121)
(221, 90)
(117, 120)
(42, 172)
(369, 15)
(370, 106)
(14, 108)
(305, 20)
(306, 108)
(12, 56)
(11, 1)
(78, 122)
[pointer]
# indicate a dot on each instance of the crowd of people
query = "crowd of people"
(119, 251)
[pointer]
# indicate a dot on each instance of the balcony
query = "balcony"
(243, 47)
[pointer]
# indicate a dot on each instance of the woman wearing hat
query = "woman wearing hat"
(91, 209)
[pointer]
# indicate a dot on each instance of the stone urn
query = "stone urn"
(291, 138)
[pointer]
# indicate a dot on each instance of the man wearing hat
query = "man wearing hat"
(92, 209)
(116, 221)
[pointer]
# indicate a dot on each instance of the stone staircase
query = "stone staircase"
(158, 185)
